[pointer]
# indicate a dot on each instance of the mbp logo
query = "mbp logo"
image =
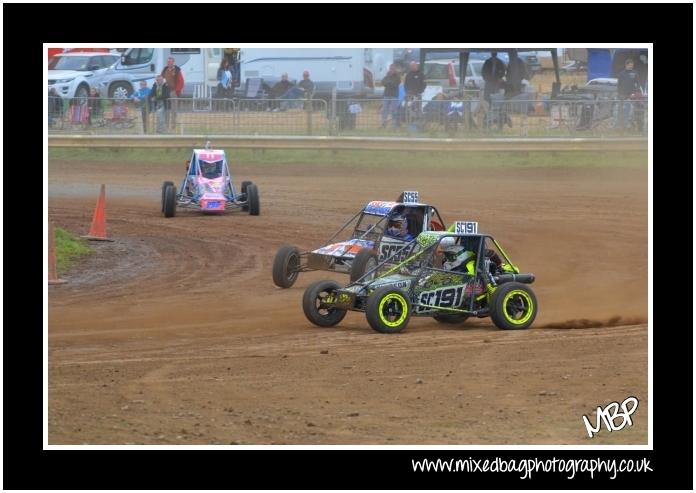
(609, 414)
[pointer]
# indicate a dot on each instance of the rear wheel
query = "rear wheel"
(316, 304)
(388, 310)
(514, 306)
(165, 185)
(253, 199)
(286, 266)
(169, 201)
(245, 184)
(364, 261)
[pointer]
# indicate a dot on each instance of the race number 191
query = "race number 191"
(410, 197)
(466, 227)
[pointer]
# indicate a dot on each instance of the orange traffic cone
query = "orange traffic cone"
(98, 229)
(539, 106)
(52, 272)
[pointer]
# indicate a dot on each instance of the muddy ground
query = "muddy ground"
(176, 334)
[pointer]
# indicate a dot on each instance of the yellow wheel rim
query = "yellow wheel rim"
(397, 298)
(527, 310)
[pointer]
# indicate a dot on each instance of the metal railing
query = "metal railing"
(469, 117)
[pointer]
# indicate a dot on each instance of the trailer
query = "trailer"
(354, 72)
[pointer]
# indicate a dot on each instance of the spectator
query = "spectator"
(175, 81)
(305, 89)
(141, 98)
(492, 72)
(627, 85)
(415, 81)
(94, 104)
(280, 88)
(390, 104)
(160, 102)
(516, 73)
(224, 78)
(55, 107)
(306, 85)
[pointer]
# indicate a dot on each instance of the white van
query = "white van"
(352, 71)
(198, 66)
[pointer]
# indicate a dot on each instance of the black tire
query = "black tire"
(253, 199)
(169, 201)
(245, 184)
(82, 92)
(451, 318)
(364, 261)
(312, 304)
(287, 258)
(120, 90)
(385, 303)
(514, 306)
(165, 185)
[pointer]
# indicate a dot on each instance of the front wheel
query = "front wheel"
(286, 266)
(514, 306)
(364, 261)
(164, 186)
(253, 199)
(388, 310)
(169, 201)
(316, 304)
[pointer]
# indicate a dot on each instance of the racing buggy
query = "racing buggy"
(208, 187)
(429, 283)
(371, 241)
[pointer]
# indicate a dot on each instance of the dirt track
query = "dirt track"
(175, 333)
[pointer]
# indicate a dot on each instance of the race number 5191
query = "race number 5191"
(466, 227)
(410, 197)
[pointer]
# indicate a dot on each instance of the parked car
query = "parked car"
(437, 73)
(72, 74)
(573, 66)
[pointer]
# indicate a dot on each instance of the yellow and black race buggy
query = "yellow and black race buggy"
(424, 285)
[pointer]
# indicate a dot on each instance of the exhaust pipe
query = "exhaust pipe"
(523, 278)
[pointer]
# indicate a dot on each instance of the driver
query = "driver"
(398, 228)
(458, 258)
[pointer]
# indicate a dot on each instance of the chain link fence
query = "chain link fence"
(469, 116)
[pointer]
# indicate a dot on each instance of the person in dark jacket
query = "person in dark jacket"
(159, 102)
(627, 85)
(390, 104)
(515, 74)
(415, 81)
(492, 72)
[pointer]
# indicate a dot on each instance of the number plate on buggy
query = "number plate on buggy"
(466, 227)
(410, 197)
(213, 204)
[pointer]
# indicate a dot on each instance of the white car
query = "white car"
(72, 74)
(437, 73)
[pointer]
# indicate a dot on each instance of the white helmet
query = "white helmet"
(455, 256)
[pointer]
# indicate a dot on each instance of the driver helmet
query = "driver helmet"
(455, 256)
(398, 225)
